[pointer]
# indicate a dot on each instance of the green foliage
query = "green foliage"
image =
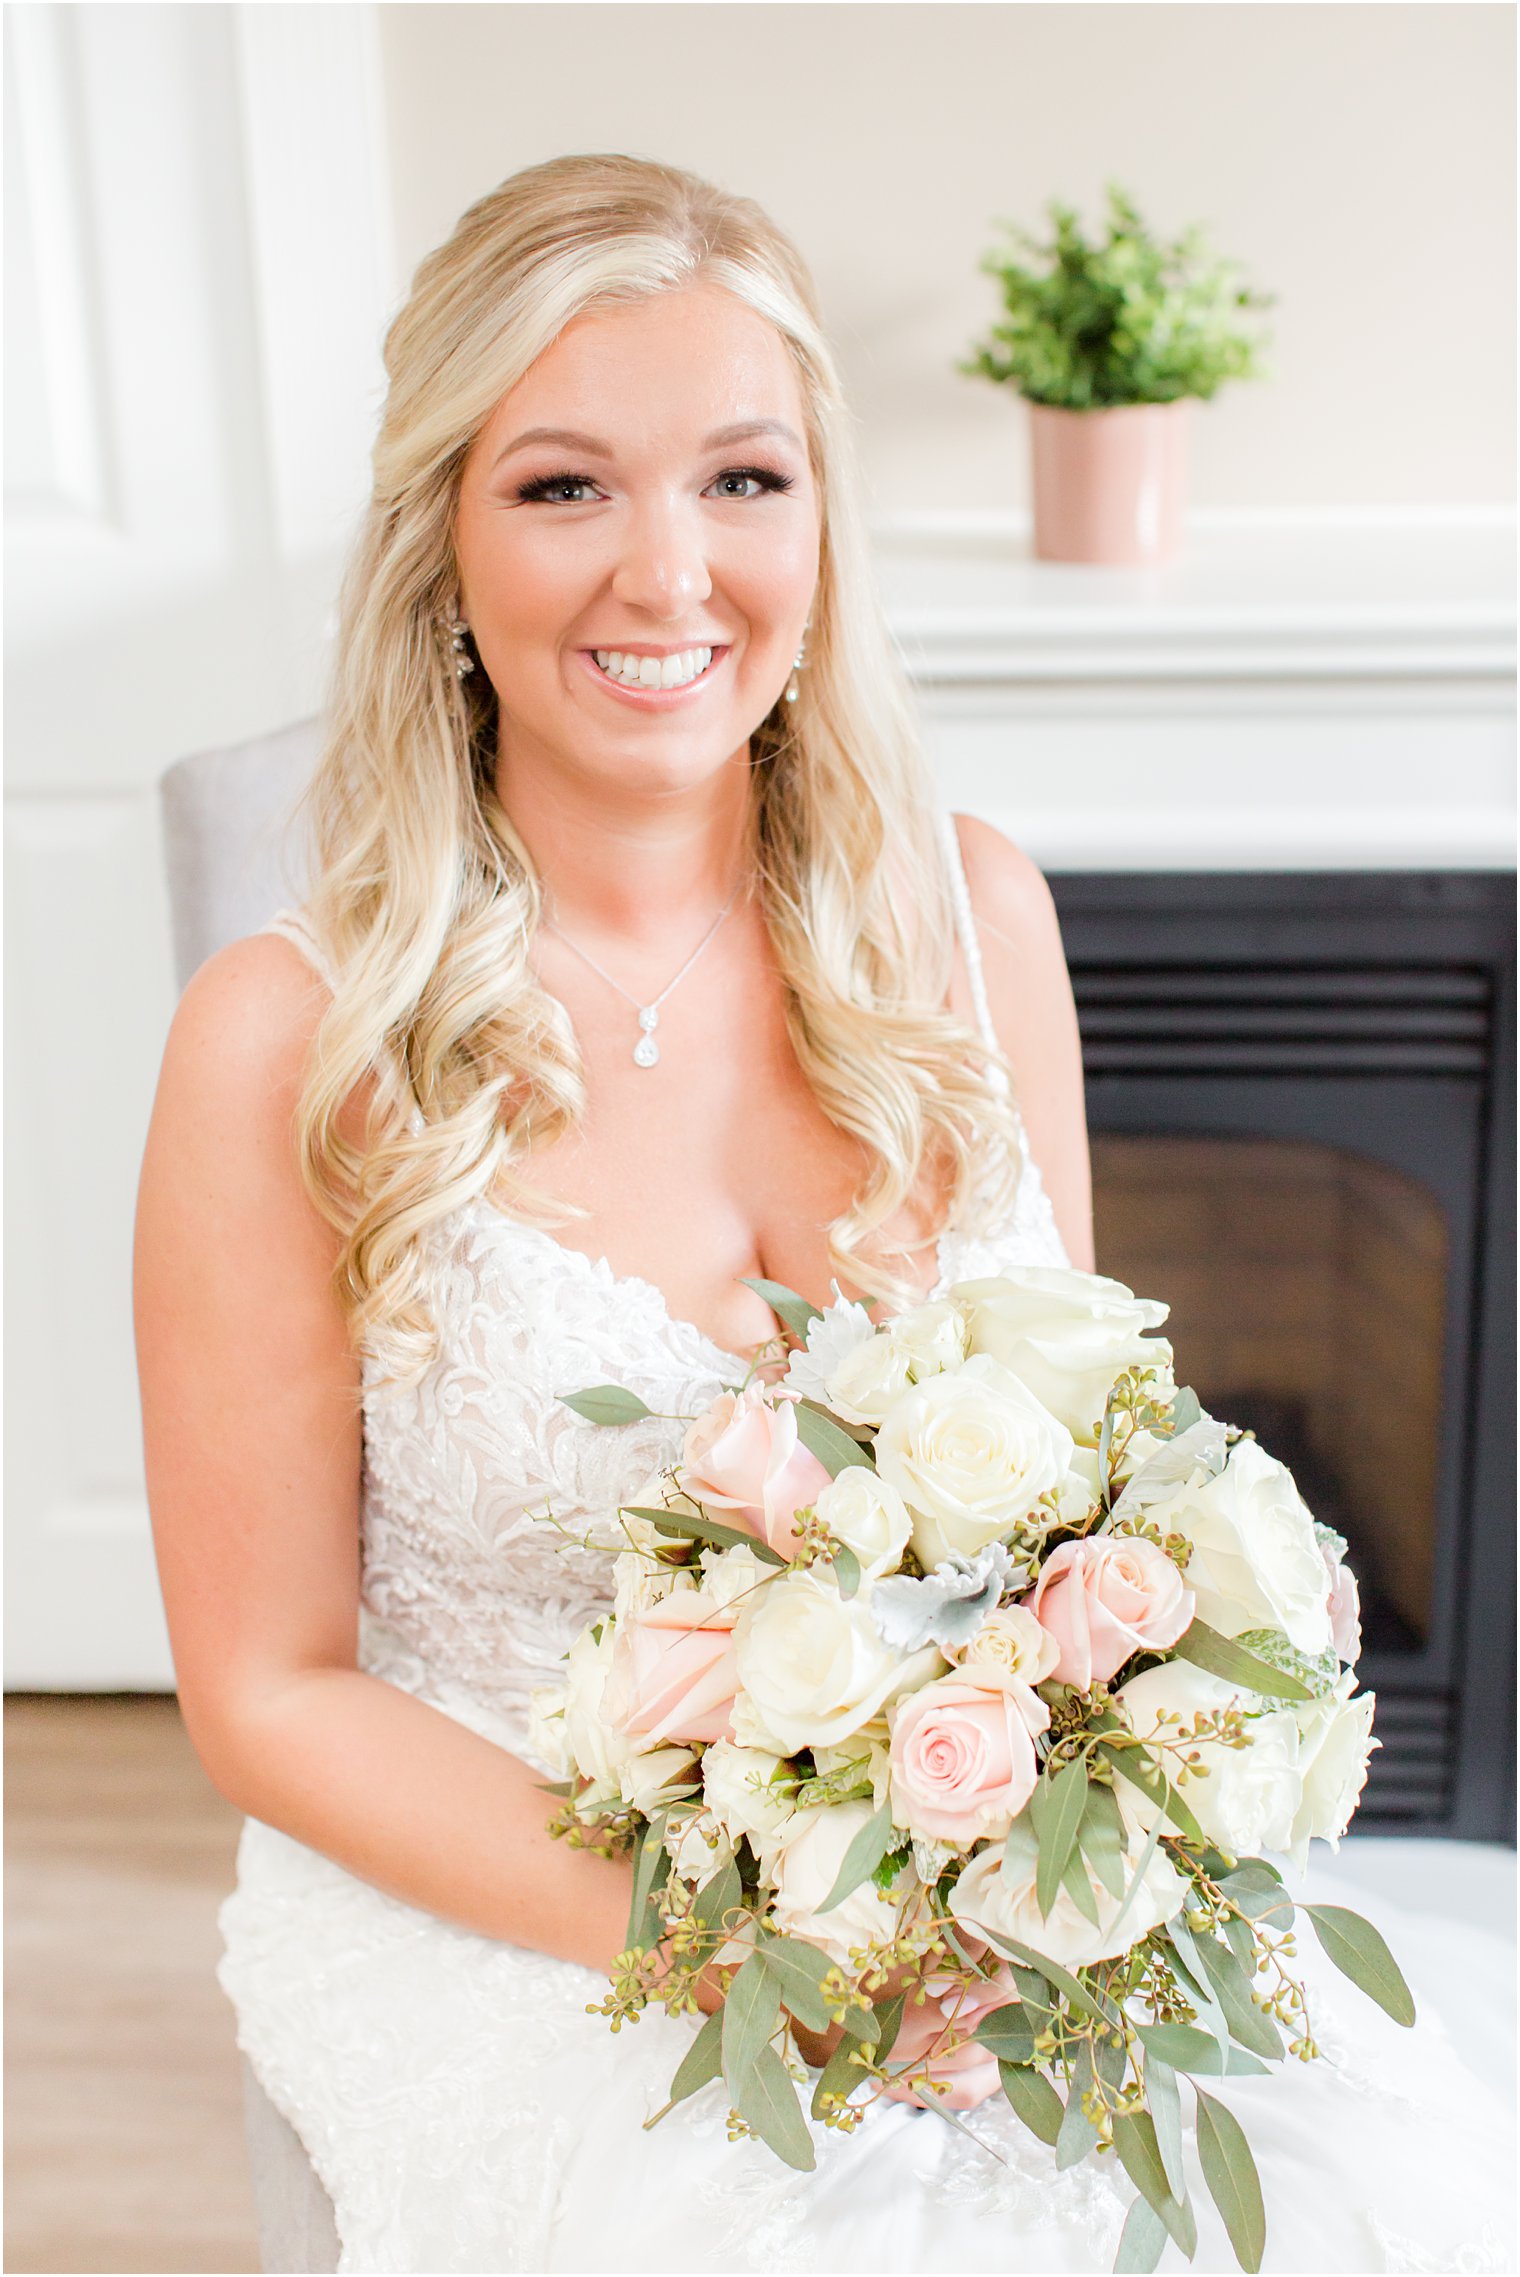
(1129, 319)
(1360, 1953)
(1230, 2172)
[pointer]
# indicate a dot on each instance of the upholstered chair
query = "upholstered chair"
(232, 860)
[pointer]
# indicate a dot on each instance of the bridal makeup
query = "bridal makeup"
(637, 537)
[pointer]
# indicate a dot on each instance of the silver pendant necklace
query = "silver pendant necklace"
(646, 1051)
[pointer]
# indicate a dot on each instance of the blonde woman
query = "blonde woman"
(638, 959)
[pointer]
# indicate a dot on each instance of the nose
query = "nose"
(662, 568)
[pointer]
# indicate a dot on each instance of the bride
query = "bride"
(632, 916)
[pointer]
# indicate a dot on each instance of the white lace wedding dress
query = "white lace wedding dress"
(460, 2106)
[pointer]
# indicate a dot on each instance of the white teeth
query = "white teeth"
(653, 671)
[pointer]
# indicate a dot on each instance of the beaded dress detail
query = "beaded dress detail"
(461, 2108)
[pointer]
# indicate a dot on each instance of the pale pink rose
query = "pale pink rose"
(743, 1454)
(963, 1760)
(673, 1671)
(1105, 1598)
(1345, 1606)
(950, 2015)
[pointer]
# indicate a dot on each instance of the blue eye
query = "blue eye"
(763, 477)
(547, 485)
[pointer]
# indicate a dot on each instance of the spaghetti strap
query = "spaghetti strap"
(295, 926)
(965, 926)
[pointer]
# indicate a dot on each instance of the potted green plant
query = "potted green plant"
(1107, 342)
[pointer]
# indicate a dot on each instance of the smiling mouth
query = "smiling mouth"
(628, 670)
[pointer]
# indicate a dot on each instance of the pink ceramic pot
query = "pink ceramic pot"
(1108, 484)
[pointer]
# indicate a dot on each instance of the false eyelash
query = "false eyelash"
(539, 486)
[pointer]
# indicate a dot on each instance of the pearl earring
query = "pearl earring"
(792, 688)
(459, 633)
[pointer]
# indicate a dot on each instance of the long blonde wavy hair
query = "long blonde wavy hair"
(426, 899)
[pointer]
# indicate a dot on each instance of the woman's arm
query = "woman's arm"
(252, 1437)
(1029, 991)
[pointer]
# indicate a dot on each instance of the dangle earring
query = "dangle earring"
(459, 633)
(792, 688)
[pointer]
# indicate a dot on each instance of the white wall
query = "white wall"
(1358, 159)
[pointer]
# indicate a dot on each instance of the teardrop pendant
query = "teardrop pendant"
(646, 1052)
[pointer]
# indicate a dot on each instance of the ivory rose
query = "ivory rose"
(870, 1517)
(867, 1381)
(813, 1666)
(1066, 1335)
(1251, 1797)
(970, 1452)
(932, 1337)
(968, 2071)
(1007, 1904)
(743, 1454)
(805, 1869)
(740, 1786)
(1255, 1562)
(1335, 1745)
(673, 1671)
(1104, 1599)
(963, 1759)
(1013, 1640)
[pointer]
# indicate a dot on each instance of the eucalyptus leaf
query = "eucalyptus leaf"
(1009, 2034)
(1137, 1766)
(1056, 1807)
(1250, 2025)
(607, 1404)
(1187, 1409)
(865, 1853)
(1077, 1883)
(1223, 1657)
(839, 2076)
(1078, 2134)
(1186, 2049)
(1140, 2240)
(1140, 2156)
(688, 1526)
(1166, 2110)
(751, 2015)
(1091, 2002)
(785, 1303)
(767, 2101)
(1237, 1935)
(702, 2061)
(1234, 2184)
(1259, 1893)
(1033, 2099)
(1102, 1837)
(1021, 1850)
(799, 1970)
(1191, 1974)
(718, 1896)
(1360, 1953)
(651, 1871)
(822, 1437)
(846, 1568)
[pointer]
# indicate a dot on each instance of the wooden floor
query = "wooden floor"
(124, 2146)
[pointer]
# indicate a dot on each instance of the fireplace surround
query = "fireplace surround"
(1300, 1088)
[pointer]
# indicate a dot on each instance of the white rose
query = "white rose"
(645, 1777)
(738, 1783)
(731, 1577)
(548, 1741)
(867, 1381)
(812, 1666)
(1013, 1640)
(1251, 1796)
(806, 1868)
(971, 1453)
(1256, 1563)
(986, 1898)
(1335, 1744)
(933, 1337)
(598, 1751)
(640, 1579)
(696, 1846)
(1078, 1495)
(1066, 1335)
(870, 1517)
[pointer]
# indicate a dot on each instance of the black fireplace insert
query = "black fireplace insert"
(1300, 1089)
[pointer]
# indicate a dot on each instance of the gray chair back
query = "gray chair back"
(232, 855)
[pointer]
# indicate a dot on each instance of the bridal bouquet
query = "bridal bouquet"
(955, 1685)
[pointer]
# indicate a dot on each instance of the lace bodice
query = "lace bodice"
(478, 1480)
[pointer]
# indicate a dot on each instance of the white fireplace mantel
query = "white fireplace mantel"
(1295, 690)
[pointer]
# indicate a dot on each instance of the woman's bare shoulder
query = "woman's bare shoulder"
(1009, 892)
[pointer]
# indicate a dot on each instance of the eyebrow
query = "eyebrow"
(570, 439)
